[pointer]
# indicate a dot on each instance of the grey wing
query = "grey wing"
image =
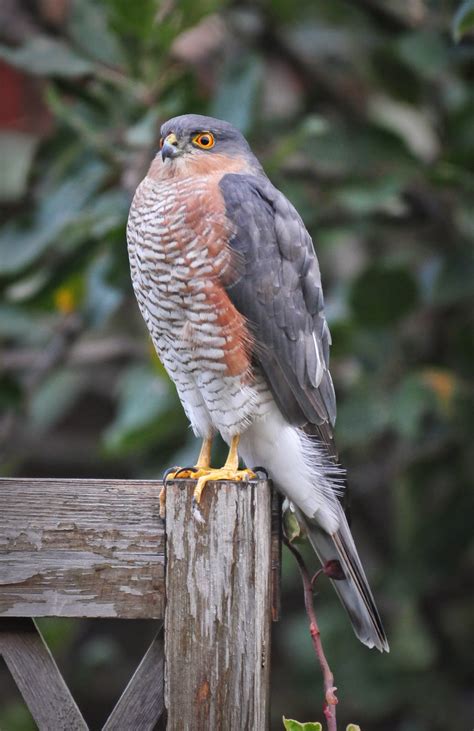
(277, 287)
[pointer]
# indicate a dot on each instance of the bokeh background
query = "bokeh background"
(363, 114)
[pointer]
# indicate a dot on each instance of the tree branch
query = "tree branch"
(329, 707)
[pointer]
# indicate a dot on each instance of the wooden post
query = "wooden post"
(218, 607)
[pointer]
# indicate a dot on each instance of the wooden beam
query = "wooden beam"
(141, 705)
(81, 548)
(37, 677)
(219, 607)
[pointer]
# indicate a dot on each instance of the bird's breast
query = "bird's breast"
(179, 231)
(178, 237)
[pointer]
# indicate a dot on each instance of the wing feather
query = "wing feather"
(277, 287)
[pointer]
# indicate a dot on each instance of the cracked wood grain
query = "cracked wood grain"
(219, 607)
(81, 548)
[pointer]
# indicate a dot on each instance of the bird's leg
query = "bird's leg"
(204, 459)
(202, 467)
(192, 473)
(230, 471)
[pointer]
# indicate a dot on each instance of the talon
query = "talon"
(203, 473)
(260, 471)
(192, 473)
(189, 472)
(184, 473)
(168, 472)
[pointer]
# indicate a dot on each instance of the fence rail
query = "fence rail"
(97, 548)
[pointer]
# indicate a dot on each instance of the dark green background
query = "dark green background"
(363, 114)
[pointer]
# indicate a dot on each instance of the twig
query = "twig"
(81, 353)
(331, 700)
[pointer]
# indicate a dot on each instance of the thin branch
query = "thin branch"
(82, 353)
(331, 700)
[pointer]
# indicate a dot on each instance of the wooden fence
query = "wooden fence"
(97, 548)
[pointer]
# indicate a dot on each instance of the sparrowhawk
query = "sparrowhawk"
(228, 283)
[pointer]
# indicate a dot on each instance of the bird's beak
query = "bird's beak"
(170, 147)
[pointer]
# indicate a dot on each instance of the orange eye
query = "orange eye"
(204, 140)
(161, 142)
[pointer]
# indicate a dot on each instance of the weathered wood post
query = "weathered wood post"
(95, 548)
(218, 607)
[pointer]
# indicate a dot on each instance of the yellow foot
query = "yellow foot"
(186, 473)
(224, 473)
(193, 473)
(179, 473)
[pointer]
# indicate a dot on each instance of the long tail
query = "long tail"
(353, 591)
(303, 472)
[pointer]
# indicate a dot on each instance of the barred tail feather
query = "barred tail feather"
(353, 591)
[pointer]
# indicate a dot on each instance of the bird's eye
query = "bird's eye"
(161, 142)
(204, 140)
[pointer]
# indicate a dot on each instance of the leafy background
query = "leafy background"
(363, 114)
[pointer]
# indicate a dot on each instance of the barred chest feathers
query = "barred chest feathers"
(178, 260)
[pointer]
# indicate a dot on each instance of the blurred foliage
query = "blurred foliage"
(363, 114)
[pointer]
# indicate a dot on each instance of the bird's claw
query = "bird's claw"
(182, 473)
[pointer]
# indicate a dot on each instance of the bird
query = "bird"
(228, 283)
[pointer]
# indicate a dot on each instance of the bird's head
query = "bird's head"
(194, 143)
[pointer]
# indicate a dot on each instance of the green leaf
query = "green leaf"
(11, 396)
(363, 415)
(59, 632)
(463, 20)
(143, 132)
(133, 19)
(410, 403)
(101, 298)
(366, 198)
(17, 150)
(15, 716)
(293, 530)
(54, 397)
(353, 727)
(414, 126)
(455, 280)
(382, 295)
(237, 94)
(20, 247)
(144, 397)
(90, 30)
(424, 51)
(21, 325)
(43, 56)
(291, 725)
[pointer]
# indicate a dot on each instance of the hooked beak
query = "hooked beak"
(170, 147)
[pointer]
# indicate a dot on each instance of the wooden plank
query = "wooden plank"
(37, 677)
(218, 612)
(276, 554)
(81, 548)
(141, 705)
